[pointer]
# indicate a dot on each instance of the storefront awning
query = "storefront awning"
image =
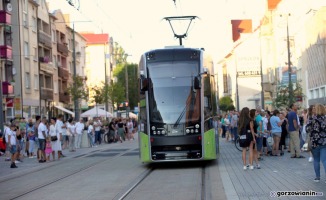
(65, 110)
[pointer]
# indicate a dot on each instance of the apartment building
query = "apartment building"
(37, 60)
(25, 57)
(98, 65)
(257, 66)
(6, 61)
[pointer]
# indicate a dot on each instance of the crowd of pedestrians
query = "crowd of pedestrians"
(45, 139)
(272, 133)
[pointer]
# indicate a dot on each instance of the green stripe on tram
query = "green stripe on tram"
(144, 149)
(209, 145)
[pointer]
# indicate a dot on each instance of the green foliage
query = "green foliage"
(115, 93)
(78, 90)
(283, 99)
(133, 91)
(99, 95)
(119, 54)
(226, 104)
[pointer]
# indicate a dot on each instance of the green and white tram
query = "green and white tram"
(177, 102)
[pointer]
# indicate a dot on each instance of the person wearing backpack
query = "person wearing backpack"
(246, 137)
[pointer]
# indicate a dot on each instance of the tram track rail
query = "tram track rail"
(56, 163)
(62, 177)
(205, 191)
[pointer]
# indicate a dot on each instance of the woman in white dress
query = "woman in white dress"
(56, 144)
(71, 131)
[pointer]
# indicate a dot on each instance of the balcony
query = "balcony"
(46, 66)
(64, 97)
(5, 52)
(63, 73)
(62, 48)
(45, 39)
(47, 93)
(5, 18)
(7, 88)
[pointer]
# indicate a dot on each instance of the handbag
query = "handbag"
(270, 141)
(307, 145)
(54, 138)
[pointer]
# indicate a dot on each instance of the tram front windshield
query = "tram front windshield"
(171, 95)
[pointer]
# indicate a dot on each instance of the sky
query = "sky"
(138, 26)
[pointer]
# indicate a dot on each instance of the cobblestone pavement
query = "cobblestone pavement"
(277, 174)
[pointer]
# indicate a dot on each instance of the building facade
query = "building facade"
(98, 64)
(6, 61)
(37, 60)
(258, 65)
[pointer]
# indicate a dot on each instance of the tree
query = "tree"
(226, 104)
(119, 72)
(283, 99)
(99, 94)
(115, 93)
(78, 90)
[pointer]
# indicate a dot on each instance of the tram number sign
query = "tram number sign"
(248, 73)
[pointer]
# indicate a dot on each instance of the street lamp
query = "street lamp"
(291, 97)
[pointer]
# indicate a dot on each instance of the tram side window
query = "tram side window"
(207, 93)
(142, 114)
(213, 96)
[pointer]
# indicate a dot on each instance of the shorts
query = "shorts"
(276, 134)
(13, 149)
(42, 144)
(65, 138)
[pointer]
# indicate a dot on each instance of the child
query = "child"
(48, 148)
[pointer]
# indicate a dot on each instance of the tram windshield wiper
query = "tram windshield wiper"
(189, 104)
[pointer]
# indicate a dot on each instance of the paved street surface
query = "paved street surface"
(276, 174)
(227, 177)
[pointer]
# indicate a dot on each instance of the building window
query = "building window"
(312, 94)
(8, 72)
(54, 61)
(54, 35)
(317, 93)
(322, 92)
(36, 81)
(225, 80)
(25, 20)
(48, 82)
(35, 54)
(55, 87)
(26, 50)
(34, 24)
(71, 67)
(27, 80)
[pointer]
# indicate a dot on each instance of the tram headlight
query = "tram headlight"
(197, 126)
(163, 132)
(153, 128)
(158, 132)
(192, 131)
(196, 131)
(187, 131)
(154, 132)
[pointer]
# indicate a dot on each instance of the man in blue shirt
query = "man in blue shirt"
(260, 130)
(294, 132)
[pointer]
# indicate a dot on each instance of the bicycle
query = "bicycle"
(109, 138)
(237, 144)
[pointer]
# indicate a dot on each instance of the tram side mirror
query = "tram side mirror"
(143, 83)
(197, 84)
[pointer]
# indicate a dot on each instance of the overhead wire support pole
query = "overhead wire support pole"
(76, 107)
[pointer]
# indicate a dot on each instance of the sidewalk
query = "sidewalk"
(276, 174)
